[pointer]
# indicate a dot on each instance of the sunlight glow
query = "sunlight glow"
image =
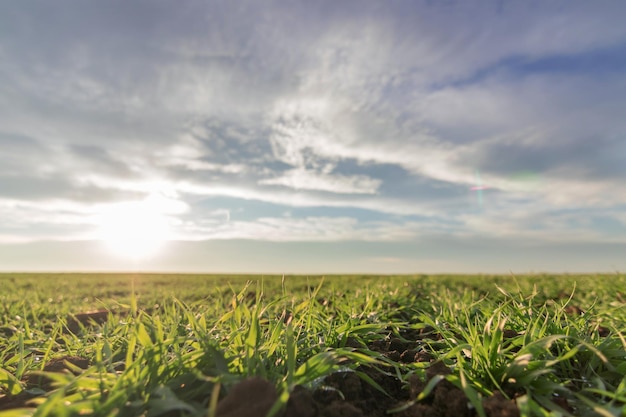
(135, 230)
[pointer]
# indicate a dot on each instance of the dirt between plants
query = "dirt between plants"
(35, 380)
(75, 321)
(345, 394)
(341, 394)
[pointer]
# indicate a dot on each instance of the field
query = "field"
(225, 346)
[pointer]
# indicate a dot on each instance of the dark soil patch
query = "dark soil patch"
(341, 394)
(345, 394)
(251, 397)
(497, 405)
(36, 380)
(15, 401)
(62, 364)
(574, 310)
(75, 321)
(8, 331)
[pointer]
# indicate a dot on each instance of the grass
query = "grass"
(174, 344)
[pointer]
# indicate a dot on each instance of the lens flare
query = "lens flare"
(479, 188)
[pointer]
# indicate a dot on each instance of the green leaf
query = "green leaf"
(143, 336)
(365, 377)
(316, 366)
(430, 386)
(470, 392)
(9, 382)
(18, 412)
(167, 401)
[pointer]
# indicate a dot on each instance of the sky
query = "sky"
(313, 136)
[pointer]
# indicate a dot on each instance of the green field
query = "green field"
(189, 345)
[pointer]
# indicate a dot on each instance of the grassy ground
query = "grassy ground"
(177, 344)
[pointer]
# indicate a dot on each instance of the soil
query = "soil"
(251, 397)
(35, 380)
(62, 364)
(341, 394)
(75, 321)
(345, 394)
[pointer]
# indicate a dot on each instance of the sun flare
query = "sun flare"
(134, 230)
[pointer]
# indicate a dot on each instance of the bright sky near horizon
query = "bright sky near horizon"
(313, 136)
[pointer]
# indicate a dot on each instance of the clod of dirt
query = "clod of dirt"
(353, 343)
(15, 401)
(8, 331)
(562, 402)
(446, 400)
(301, 403)
(55, 365)
(399, 350)
(342, 409)
(498, 406)
(75, 321)
(409, 356)
(251, 397)
(60, 364)
(509, 334)
(348, 383)
(34, 380)
(573, 310)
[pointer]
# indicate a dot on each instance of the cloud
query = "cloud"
(97, 159)
(315, 105)
(307, 180)
(306, 229)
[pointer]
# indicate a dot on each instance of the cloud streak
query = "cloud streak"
(360, 107)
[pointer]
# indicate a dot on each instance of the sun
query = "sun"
(134, 230)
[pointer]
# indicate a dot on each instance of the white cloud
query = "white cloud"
(300, 106)
(58, 219)
(300, 179)
(288, 229)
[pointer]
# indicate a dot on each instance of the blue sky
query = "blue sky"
(313, 137)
